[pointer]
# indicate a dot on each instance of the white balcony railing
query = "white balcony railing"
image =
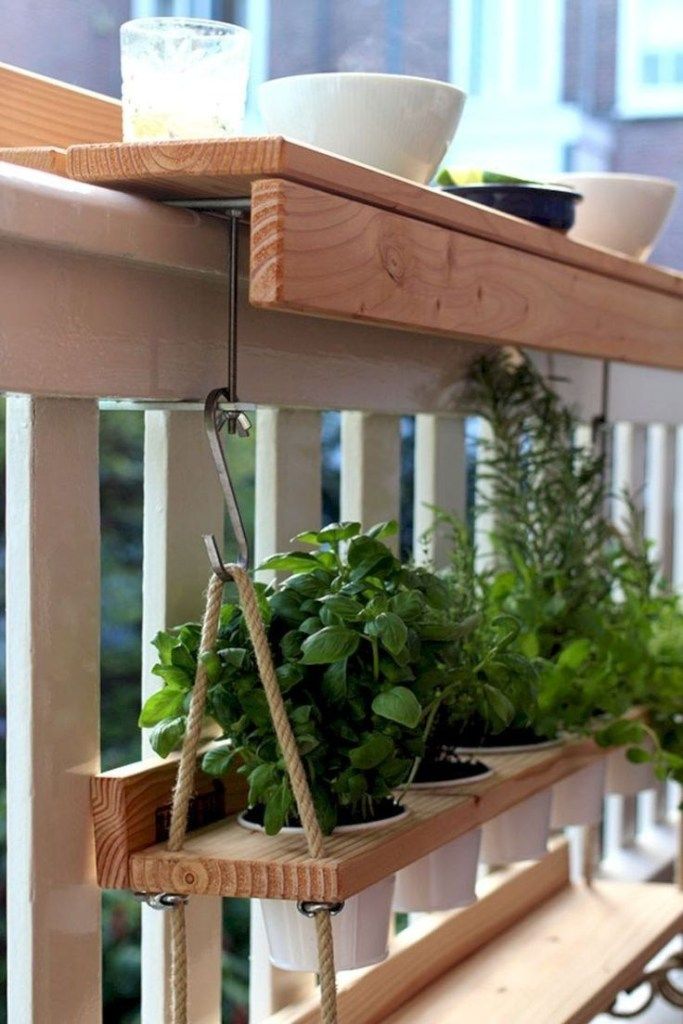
(107, 296)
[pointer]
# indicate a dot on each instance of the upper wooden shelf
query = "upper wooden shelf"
(337, 239)
(225, 859)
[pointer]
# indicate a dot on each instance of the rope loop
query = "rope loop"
(302, 794)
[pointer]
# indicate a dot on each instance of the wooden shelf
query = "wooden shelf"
(41, 158)
(225, 859)
(332, 238)
(534, 950)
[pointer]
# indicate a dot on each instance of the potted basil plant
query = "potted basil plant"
(357, 641)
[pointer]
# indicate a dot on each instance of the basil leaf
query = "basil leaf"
(398, 705)
(165, 703)
(167, 735)
(371, 753)
(217, 762)
(329, 644)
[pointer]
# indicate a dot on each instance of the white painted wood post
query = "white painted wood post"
(370, 490)
(628, 474)
(182, 501)
(53, 690)
(288, 501)
(440, 480)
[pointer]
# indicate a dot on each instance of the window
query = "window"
(508, 55)
(650, 62)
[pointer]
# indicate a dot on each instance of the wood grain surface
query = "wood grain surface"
(321, 254)
(39, 111)
(223, 168)
(41, 158)
(225, 859)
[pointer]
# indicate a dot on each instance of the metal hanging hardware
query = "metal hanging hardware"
(222, 411)
(161, 900)
(309, 908)
(659, 982)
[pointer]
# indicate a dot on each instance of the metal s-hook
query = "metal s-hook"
(216, 417)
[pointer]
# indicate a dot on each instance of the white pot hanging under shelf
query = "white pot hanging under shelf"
(577, 800)
(442, 880)
(626, 778)
(360, 929)
(521, 833)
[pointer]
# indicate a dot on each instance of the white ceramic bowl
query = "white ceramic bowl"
(622, 212)
(396, 123)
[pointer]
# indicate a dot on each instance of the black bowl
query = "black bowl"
(552, 206)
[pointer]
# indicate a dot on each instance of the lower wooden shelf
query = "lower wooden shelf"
(534, 950)
(223, 859)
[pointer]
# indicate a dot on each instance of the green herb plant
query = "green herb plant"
(358, 642)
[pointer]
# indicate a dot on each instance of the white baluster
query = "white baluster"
(440, 480)
(371, 469)
(182, 501)
(53, 690)
(288, 500)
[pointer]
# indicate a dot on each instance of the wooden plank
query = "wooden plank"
(326, 255)
(39, 111)
(426, 950)
(578, 950)
(370, 478)
(53, 717)
(220, 168)
(182, 500)
(288, 499)
(225, 859)
(149, 285)
(440, 481)
(41, 158)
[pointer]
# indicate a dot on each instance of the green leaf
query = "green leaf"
(392, 631)
(335, 532)
(500, 705)
(367, 556)
(381, 530)
(637, 755)
(345, 607)
(277, 809)
(261, 779)
(311, 625)
(409, 604)
(334, 682)
(234, 656)
(293, 561)
(575, 653)
(371, 753)
(164, 643)
(442, 632)
(329, 644)
(167, 735)
(174, 677)
(290, 645)
(399, 705)
(165, 703)
(181, 657)
(217, 762)
(213, 666)
(289, 675)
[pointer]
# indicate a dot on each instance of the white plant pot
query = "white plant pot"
(360, 929)
(442, 880)
(577, 800)
(626, 778)
(520, 833)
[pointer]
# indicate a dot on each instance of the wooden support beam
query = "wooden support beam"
(331, 256)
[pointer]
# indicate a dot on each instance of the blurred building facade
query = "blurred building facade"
(552, 84)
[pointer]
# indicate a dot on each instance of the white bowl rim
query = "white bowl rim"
(375, 75)
(618, 175)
